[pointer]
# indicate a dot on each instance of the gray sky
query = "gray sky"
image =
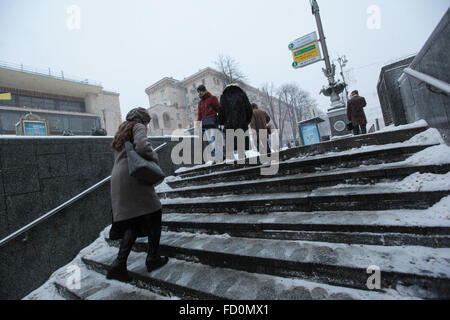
(129, 45)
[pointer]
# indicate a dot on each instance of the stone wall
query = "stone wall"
(389, 93)
(420, 100)
(39, 174)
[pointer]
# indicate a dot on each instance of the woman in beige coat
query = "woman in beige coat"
(135, 204)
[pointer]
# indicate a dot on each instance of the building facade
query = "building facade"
(78, 106)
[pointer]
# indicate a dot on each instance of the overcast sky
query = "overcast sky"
(129, 45)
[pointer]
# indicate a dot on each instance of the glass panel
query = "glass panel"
(25, 101)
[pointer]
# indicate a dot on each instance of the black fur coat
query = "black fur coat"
(235, 110)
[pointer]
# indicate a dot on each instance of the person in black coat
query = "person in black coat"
(235, 112)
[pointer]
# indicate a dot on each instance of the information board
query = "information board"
(310, 134)
(35, 128)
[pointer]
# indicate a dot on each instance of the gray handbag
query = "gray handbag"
(142, 169)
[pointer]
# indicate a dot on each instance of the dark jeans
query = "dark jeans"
(360, 129)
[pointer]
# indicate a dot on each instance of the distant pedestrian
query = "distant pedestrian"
(235, 112)
(355, 113)
(260, 120)
(136, 207)
(208, 107)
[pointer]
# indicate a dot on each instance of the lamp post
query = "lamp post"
(337, 113)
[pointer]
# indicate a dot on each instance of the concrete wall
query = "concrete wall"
(420, 101)
(39, 174)
(389, 93)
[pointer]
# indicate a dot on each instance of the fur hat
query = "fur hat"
(139, 115)
(354, 93)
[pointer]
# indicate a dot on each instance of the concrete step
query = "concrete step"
(417, 271)
(373, 228)
(307, 182)
(343, 144)
(190, 280)
(347, 199)
(77, 281)
(298, 166)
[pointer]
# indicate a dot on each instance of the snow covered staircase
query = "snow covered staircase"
(312, 231)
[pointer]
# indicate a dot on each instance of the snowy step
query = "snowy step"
(76, 281)
(418, 270)
(374, 228)
(307, 182)
(333, 199)
(190, 280)
(327, 162)
(347, 143)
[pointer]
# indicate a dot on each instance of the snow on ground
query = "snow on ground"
(417, 124)
(110, 288)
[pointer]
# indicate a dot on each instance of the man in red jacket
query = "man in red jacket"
(208, 107)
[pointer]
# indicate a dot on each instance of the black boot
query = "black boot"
(118, 270)
(154, 261)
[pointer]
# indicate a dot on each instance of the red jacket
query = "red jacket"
(208, 106)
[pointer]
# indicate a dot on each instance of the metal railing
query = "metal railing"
(61, 207)
(47, 73)
(439, 84)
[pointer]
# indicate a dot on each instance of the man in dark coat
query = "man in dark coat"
(355, 113)
(235, 112)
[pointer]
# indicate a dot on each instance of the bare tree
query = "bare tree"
(230, 70)
(275, 108)
(299, 105)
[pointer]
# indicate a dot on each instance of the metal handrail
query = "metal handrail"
(442, 85)
(61, 207)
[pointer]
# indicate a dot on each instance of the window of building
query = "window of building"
(180, 126)
(155, 121)
(163, 94)
(71, 106)
(167, 121)
(25, 101)
(178, 116)
(49, 104)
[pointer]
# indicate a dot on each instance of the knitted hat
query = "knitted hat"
(201, 88)
(354, 93)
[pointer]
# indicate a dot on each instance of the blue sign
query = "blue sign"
(35, 128)
(310, 134)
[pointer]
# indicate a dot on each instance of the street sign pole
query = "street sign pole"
(337, 113)
(330, 70)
